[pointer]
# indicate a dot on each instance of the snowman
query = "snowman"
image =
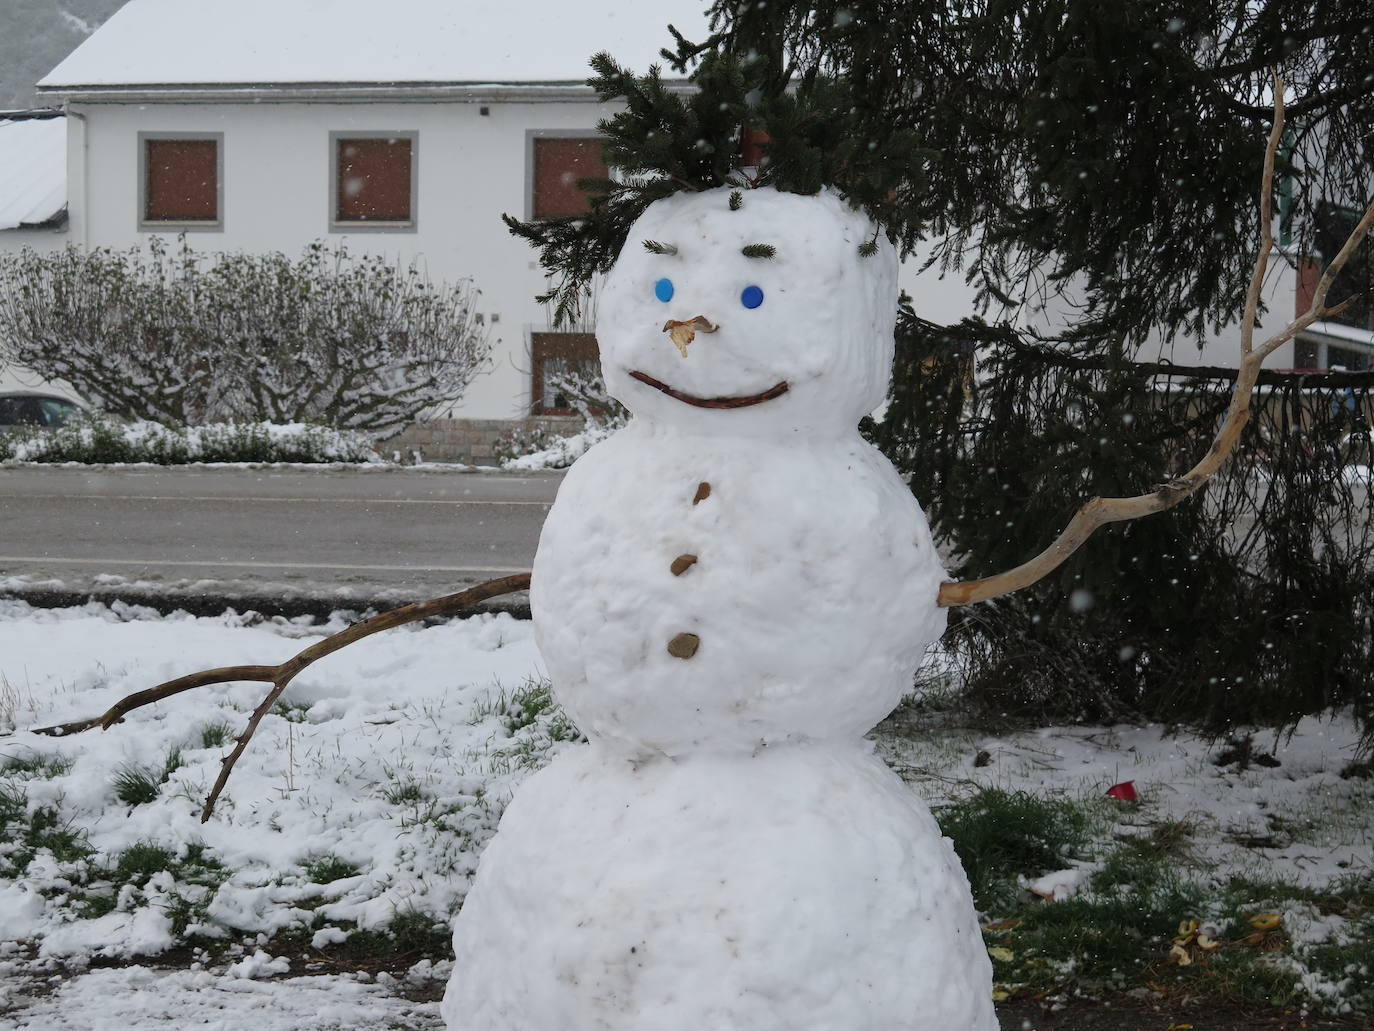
(728, 593)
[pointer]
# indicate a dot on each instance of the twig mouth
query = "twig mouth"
(776, 390)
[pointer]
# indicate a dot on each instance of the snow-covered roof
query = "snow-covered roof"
(150, 43)
(33, 171)
(1340, 331)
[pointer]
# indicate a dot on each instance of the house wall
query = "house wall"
(43, 241)
(1218, 347)
(1223, 347)
(277, 194)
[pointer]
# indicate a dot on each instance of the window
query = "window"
(1318, 351)
(181, 180)
(557, 358)
(557, 163)
(374, 178)
(30, 410)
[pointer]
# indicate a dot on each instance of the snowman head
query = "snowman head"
(762, 320)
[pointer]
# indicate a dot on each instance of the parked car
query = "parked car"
(31, 408)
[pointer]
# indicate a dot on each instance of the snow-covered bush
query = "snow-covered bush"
(601, 416)
(98, 440)
(185, 338)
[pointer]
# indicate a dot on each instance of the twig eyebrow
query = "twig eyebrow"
(654, 247)
(758, 250)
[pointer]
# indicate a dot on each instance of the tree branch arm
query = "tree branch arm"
(282, 674)
(1100, 511)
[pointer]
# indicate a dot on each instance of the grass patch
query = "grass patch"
(328, 868)
(411, 933)
(195, 874)
(35, 766)
(216, 735)
(1000, 835)
(1109, 933)
(528, 706)
(404, 791)
(292, 712)
(139, 785)
(1118, 933)
(29, 832)
(1169, 839)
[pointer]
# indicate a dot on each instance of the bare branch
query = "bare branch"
(1252, 295)
(1100, 511)
(281, 675)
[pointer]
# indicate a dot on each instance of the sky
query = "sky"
(35, 35)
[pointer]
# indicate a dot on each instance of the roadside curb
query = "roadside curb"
(288, 607)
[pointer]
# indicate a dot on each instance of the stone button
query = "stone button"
(703, 492)
(683, 563)
(684, 646)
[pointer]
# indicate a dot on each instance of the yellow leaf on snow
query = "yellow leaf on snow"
(1265, 921)
(1178, 954)
(1001, 954)
(1000, 995)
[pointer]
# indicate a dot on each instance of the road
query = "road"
(390, 534)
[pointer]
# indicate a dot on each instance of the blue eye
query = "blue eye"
(663, 290)
(752, 297)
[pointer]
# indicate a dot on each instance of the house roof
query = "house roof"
(33, 171)
(1340, 331)
(169, 43)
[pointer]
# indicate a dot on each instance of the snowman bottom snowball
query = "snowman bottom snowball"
(803, 889)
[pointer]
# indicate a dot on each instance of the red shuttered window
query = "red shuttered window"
(181, 181)
(374, 179)
(559, 162)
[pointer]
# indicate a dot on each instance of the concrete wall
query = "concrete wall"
(473, 441)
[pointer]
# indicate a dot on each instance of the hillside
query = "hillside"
(37, 34)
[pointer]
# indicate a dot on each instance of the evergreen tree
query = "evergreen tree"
(1117, 144)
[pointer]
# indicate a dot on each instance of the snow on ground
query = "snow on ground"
(134, 998)
(370, 793)
(1300, 820)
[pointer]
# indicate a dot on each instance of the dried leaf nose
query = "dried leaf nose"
(683, 333)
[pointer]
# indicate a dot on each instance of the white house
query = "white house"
(402, 128)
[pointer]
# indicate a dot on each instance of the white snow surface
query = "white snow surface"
(137, 999)
(381, 718)
(399, 706)
(295, 42)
